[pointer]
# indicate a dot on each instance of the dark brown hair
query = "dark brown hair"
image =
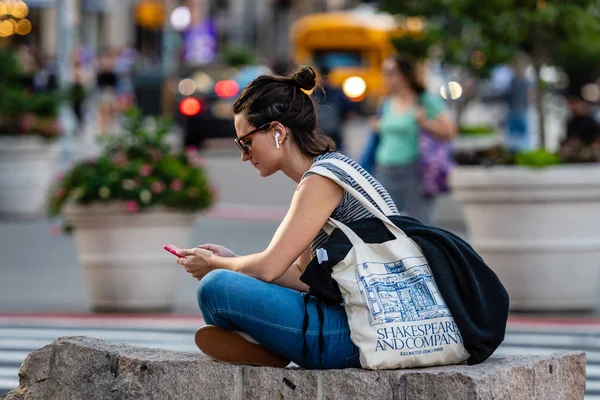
(284, 99)
(408, 68)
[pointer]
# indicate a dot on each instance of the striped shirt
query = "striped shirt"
(350, 209)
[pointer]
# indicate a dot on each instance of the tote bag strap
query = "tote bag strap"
(394, 230)
(361, 181)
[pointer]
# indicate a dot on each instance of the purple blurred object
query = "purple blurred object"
(200, 43)
(435, 163)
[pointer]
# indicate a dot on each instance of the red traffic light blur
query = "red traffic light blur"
(190, 106)
(227, 88)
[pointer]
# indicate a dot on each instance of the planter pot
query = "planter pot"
(122, 253)
(27, 166)
(538, 230)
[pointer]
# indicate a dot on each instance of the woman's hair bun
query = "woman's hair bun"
(304, 77)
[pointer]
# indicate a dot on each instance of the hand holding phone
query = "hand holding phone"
(175, 250)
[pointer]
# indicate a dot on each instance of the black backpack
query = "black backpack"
(472, 291)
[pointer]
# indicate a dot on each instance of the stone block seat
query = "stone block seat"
(88, 369)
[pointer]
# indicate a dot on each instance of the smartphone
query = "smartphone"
(171, 248)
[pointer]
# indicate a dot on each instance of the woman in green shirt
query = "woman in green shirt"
(406, 111)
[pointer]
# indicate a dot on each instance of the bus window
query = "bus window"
(331, 59)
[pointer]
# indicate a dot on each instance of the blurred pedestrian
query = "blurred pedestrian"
(333, 109)
(405, 113)
(106, 84)
(582, 136)
(518, 94)
(78, 93)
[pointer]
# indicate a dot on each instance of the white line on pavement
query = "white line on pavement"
(513, 338)
(8, 384)
(34, 344)
(96, 333)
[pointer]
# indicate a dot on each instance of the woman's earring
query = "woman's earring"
(277, 139)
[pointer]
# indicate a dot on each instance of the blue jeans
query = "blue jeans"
(272, 315)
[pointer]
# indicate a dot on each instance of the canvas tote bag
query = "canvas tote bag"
(397, 317)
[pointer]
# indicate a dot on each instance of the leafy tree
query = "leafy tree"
(562, 33)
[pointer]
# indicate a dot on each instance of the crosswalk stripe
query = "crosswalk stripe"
(103, 334)
(133, 323)
(593, 371)
(8, 372)
(13, 356)
(556, 340)
(592, 386)
(8, 383)
(555, 328)
(33, 344)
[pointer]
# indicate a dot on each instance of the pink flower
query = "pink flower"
(176, 185)
(132, 206)
(145, 170)
(55, 230)
(194, 158)
(157, 187)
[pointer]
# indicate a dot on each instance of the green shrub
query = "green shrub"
(468, 130)
(537, 159)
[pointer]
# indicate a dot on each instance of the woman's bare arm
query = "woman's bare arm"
(314, 200)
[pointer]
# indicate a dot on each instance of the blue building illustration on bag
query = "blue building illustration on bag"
(400, 291)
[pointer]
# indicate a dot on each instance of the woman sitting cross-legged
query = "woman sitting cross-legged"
(254, 304)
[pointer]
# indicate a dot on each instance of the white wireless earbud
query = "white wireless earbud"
(277, 139)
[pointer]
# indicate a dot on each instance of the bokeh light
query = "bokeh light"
(186, 87)
(203, 81)
(455, 90)
(563, 81)
(227, 88)
(23, 27)
(3, 8)
(6, 28)
(590, 92)
(549, 74)
(354, 87)
(19, 9)
(478, 59)
(181, 17)
(190, 107)
(149, 14)
(414, 25)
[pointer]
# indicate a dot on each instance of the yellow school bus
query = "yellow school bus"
(351, 45)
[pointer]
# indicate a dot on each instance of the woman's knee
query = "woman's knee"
(213, 286)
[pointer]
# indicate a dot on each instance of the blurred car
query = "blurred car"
(205, 97)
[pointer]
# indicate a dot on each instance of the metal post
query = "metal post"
(66, 35)
(168, 59)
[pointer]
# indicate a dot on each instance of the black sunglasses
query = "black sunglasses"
(244, 147)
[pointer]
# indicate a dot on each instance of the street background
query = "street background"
(81, 65)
